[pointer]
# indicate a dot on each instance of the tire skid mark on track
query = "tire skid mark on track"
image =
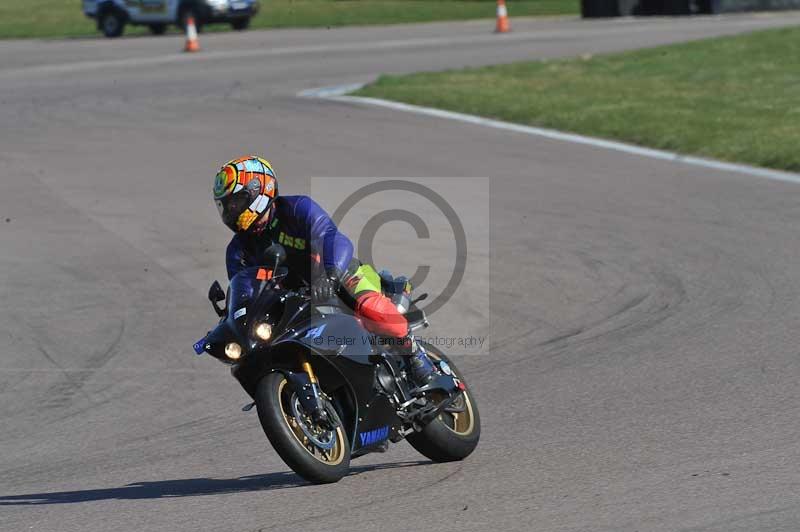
(729, 523)
(389, 497)
(61, 394)
(218, 424)
(630, 316)
(84, 322)
(709, 307)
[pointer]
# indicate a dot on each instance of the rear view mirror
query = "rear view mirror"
(274, 256)
(215, 295)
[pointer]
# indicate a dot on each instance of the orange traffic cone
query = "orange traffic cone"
(503, 26)
(192, 44)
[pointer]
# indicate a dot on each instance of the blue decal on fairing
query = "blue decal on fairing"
(374, 436)
(316, 332)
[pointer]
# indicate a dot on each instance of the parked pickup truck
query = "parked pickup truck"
(113, 15)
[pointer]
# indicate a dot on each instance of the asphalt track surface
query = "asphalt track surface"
(644, 314)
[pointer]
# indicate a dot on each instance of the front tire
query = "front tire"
(111, 23)
(292, 434)
(453, 435)
(240, 24)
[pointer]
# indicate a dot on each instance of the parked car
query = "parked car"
(113, 15)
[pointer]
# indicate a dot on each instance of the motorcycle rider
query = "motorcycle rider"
(246, 196)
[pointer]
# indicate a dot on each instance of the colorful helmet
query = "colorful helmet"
(245, 190)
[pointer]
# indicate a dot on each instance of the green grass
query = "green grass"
(64, 18)
(733, 98)
(39, 18)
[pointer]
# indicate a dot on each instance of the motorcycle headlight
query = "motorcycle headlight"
(264, 331)
(233, 351)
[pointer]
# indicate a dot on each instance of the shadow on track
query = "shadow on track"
(188, 487)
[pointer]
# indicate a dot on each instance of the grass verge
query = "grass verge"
(732, 98)
(64, 18)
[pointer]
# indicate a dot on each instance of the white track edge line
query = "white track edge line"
(340, 93)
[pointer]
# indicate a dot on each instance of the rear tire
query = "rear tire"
(240, 24)
(274, 399)
(158, 29)
(111, 22)
(449, 437)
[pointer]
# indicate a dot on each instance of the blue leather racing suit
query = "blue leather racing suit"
(314, 246)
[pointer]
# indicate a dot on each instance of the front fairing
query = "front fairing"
(338, 334)
(252, 299)
(218, 338)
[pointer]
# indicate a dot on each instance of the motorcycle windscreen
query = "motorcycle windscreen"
(243, 290)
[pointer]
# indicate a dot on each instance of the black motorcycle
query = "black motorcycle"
(326, 390)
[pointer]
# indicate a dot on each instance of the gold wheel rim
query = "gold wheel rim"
(462, 423)
(331, 457)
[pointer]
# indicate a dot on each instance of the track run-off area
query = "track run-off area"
(643, 314)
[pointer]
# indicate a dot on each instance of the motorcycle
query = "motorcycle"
(326, 390)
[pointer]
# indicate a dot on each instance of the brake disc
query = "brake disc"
(322, 439)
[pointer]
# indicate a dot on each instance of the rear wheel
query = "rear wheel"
(315, 453)
(455, 433)
(111, 22)
(240, 24)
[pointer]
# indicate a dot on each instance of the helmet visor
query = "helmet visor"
(231, 208)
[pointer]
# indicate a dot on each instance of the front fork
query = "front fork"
(306, 386)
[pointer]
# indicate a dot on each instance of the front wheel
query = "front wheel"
(454, 434)
(112, 23)
(316, 454)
